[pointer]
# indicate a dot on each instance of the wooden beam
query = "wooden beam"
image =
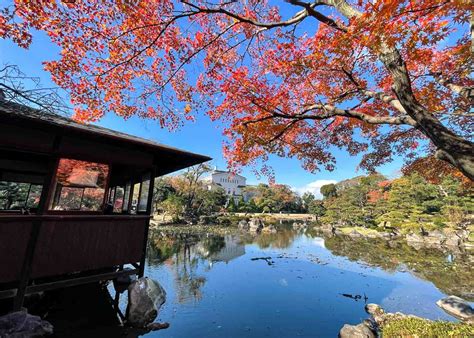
(68, 282)
(27, 266)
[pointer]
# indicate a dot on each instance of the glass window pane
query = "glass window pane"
(144, 193)
(92, 199)
(69, 199)
(135, 196)
(80, 185)
(13, 195)
(111, 195)
(126, 197)
(118, 199)
(34, 196)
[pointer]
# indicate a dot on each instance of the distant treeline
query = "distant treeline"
(407, 202)
(367, 201)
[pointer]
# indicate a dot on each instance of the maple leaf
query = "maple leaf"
(377, 78)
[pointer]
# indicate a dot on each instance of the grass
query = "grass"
(416, 327)
(195, 229)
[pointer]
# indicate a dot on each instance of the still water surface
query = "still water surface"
(215, 289)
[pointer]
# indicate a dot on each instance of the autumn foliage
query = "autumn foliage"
(381, 78)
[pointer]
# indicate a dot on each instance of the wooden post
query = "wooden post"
(46, 192)
(27, 265)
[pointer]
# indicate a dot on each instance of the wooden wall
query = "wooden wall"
(68, 244)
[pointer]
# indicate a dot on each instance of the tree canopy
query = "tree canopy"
(408, 202)
(381, 78)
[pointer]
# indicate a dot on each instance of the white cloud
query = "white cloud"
(314, 187)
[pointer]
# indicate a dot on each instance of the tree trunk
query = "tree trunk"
(450, 147)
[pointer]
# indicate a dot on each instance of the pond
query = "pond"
(294, 283)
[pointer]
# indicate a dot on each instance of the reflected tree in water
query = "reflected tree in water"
(449, 272)
(185, 254)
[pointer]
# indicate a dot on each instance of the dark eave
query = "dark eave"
(176, 158)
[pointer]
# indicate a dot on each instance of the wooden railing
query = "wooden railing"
(43, 246)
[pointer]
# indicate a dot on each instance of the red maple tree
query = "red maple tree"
(383, 78)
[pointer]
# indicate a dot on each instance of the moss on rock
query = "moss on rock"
(417, 327)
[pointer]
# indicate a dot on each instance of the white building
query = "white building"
(231, 183)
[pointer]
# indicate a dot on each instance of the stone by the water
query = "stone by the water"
(145, 298)
(361, 330)
(123, 282)
(243, 225)
(158, 326)
(457, 307)
(256, 225)
(374, 309)
(21, 324)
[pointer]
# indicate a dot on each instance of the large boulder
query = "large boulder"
(434, 239)
(457, 307)
(145, 298)
(361, 330)
(327, 228)
(21, 324)
(452, 241)
(256, 225)
(123, 282)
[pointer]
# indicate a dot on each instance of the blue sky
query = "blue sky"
(202, 136)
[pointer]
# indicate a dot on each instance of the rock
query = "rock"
(123, 282)
(414, 238)
(434, 239)
(396, 232)
(327, 228)
(145, 298)
(355, 234)
(158, 326)
(356, 331)
(21, 324)
(243, 225)
(415, 241)
(452, 241)
(462, 234)
(374, 309)
(256, 225)
(457, 307)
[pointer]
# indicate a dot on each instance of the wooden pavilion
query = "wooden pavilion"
(75, 200)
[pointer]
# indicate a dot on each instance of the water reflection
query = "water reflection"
(450, 272)
(190, 256)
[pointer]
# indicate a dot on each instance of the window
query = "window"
(119, 198)
(80, 185)
(135, 195)
(115, 199)
(17, 196)
(126, 197)
(143, 203)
